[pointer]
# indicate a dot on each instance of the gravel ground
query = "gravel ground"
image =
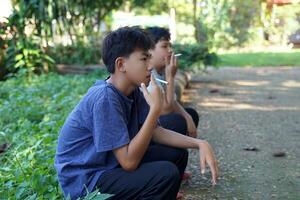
(251, 116)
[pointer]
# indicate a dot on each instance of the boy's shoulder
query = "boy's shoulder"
(103, 90)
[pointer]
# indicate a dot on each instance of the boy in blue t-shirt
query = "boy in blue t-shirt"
(104, 142)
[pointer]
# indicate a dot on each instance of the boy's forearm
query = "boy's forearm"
(170, 89)
(179, 109)
(139, 144)
(171, 138)
(174, 139)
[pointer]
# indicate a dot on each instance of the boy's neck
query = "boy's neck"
(121, 84)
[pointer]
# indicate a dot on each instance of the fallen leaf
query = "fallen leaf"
(250, 149)
(279, 154)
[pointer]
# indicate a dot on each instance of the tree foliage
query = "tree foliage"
(226, 23)
(77, 18)
(35, 24)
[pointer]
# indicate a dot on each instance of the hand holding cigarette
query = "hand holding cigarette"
(171, 66)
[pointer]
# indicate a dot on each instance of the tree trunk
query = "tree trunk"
(195, 20)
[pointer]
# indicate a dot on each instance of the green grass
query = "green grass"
(259, 59)
(32, 112)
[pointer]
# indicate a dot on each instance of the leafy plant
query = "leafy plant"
(78, 53)
(3, 47)
(96, 195)
(77, 19)
(25, 52)
(36, 24)
(32, 112)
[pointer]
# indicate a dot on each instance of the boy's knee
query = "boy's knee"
(185, 153)
(176, 154)
(175, 122)
(194, 114)
(169, 171)
(181, 152)
(182, 122)
(179, 117)
(164, 181)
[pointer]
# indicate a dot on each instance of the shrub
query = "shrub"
(78, 53)
(195, 56)
(23, 52)
(33, 110)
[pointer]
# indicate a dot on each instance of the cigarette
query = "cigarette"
(179, 54)
(162, 81)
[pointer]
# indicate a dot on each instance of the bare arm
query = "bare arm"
(170, 104)
(170, 71)
(171, 138)
(130, 155)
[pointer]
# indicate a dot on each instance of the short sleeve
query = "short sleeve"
(109, 125)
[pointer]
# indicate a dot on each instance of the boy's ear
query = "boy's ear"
(119, 63)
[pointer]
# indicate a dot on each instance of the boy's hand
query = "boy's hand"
(207, 157)
(171, 67)
(154, 97)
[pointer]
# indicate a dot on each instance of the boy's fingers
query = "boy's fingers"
(144, 88)
(153, 81)
(202, 164)
(175, 61)
(163, 94)
(172, 59)
(215, 162)
(213, 172)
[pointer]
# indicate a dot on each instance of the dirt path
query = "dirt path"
(243, 110)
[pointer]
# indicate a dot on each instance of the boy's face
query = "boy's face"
(161, 52)
(137, 67)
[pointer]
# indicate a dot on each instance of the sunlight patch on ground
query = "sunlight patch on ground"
(220, 100)
(243, 106)
(244, 91)
(291, 84)
(250, 83)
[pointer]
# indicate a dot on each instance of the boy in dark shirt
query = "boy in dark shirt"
(164, 63)
(104, 143)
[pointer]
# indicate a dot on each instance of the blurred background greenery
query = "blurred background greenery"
(38, 35)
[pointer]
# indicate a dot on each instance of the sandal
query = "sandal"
(179, 195)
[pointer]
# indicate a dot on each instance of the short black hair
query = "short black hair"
(158, 33)
(121, 43)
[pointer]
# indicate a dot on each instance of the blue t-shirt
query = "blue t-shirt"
(104, 120)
